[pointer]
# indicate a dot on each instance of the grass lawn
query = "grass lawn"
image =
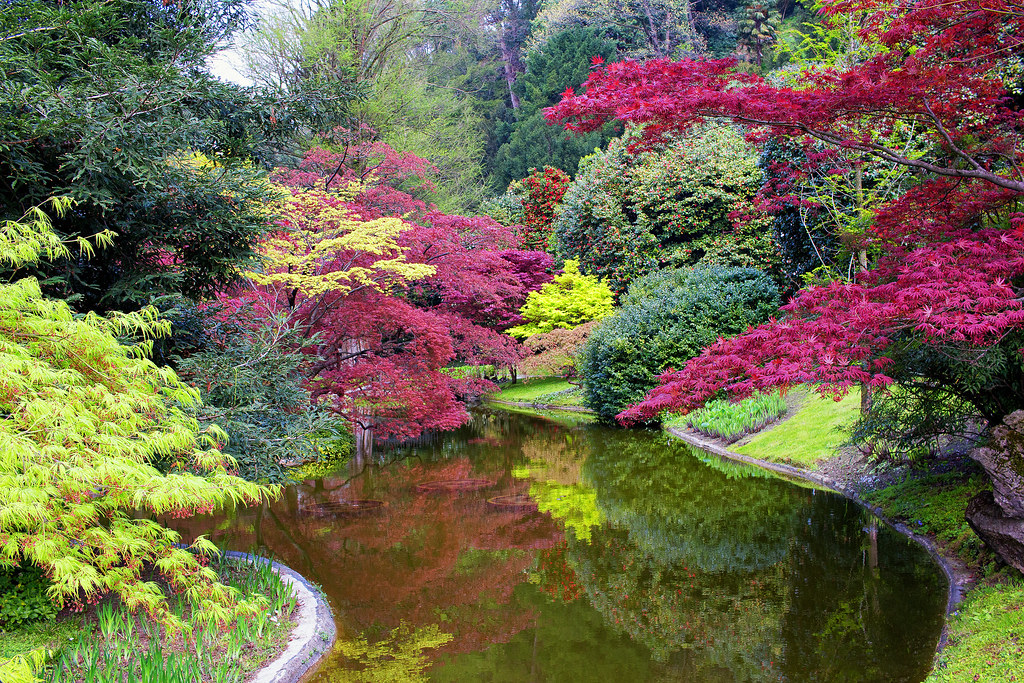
(49, 634)
(548, 390)
(814, 433)
(984, 637)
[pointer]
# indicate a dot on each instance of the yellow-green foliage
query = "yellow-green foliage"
(398, 657)
(571, 300)
(23, 668)
(322, 231)
(86, 423)
(575, 505)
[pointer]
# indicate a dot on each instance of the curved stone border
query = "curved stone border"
(958, 577)
(313, 635)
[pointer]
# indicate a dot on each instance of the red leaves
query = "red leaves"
(380, 351)
(952, 293)
(951, 265)
(942, 72)
(544, 192)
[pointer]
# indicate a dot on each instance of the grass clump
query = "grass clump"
(110, 643)
(986, 637)
(729, 421)
(814, 433)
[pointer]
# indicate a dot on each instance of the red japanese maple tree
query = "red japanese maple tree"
(950, 277)
(390, 291)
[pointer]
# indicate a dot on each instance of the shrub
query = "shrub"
(571, 300)
(556, 352)
(251, 384)
(629, 213)
(667, 318)
(544, 192)
(23, 597)
(90, 428)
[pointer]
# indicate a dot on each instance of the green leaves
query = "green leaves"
(571, 300)
(630, 212)
(665, 319)
(87, 421)
(99, 111)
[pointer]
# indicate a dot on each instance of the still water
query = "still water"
(640, 559)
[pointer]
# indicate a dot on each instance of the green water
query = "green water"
(646, 561)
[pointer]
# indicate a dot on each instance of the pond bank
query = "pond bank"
(959, 576)
(542, 406)
(314, 633)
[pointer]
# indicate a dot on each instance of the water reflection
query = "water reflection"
(645, 561)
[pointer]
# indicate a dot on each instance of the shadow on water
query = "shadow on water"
(645, 560)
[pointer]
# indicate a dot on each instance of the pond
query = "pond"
(603, 555)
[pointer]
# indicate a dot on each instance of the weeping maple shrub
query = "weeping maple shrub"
(93, 434)
(948, 280)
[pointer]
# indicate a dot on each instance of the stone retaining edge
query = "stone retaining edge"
(314, 633)
(958, 578)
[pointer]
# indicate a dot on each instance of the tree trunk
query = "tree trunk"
(862, 261)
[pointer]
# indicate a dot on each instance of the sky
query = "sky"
(227, 65)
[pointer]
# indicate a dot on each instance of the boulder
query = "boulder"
(997, 516)
(1005, 535)
(1003, 459)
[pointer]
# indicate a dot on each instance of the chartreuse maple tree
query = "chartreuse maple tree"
(95, 441)
(569, 301)
(329, 250)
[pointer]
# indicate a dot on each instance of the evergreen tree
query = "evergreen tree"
(563, 62)
(106, 102)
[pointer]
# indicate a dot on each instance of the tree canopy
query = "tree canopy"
(950, 247)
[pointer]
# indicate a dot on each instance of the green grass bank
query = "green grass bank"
(541, 391)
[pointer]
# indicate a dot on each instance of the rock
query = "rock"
(1005, 535)
(1003, 459)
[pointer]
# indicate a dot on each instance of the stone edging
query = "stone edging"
(958, 577)
(542, 406)
(313, 635)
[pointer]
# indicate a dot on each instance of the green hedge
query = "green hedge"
(666, 318)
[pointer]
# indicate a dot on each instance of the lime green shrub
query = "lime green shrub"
(569, 301)
(95, 443)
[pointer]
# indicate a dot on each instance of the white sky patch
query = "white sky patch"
(228, 65)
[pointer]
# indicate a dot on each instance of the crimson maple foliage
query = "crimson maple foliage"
(380, 349)
(949, 278)
(393, 182)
